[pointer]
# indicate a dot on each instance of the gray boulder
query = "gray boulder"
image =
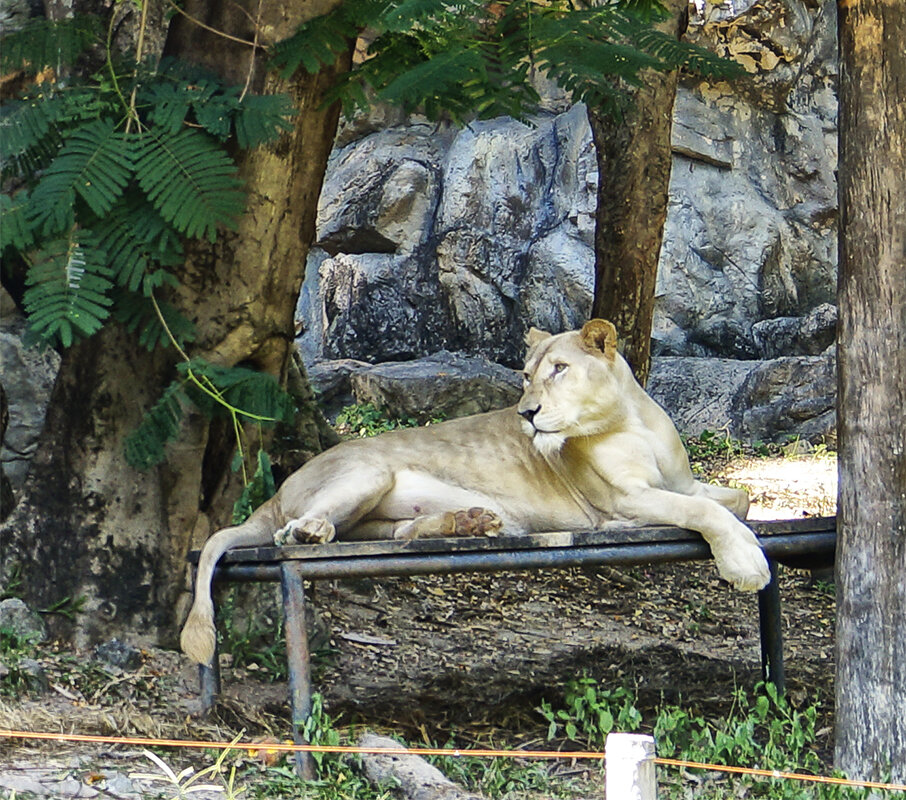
(697, 393)
(769, 401)
(810, 335)
(788, 398)
(443, 384)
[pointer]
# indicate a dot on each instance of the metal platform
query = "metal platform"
(803, 543)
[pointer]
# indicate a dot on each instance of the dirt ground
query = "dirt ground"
(467, 657)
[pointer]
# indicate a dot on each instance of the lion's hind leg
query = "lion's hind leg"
(466, 522)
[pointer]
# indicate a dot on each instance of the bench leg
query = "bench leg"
(298, 661)
(209, 678)
(771, 632)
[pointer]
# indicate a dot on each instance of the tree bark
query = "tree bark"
(90, 526)
(634, 160)
(871, 357)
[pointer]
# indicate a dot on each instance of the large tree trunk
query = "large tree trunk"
(871, 358)
(90, 526)
(634, 160)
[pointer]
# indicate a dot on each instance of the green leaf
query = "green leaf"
(15, 230)
(262, 118)
(43, 43)
(136, 240)
(254, 395)
(260, 489)
(95, 164)
(146, 446)
(190, 180)
(137, 314)
(67, 286)
(28, 135)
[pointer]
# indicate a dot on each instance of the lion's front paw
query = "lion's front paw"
(744, 566)
(305, 530)
(477, 522)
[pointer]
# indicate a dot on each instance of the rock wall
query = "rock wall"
(431, 237)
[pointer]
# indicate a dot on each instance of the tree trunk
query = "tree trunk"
(634, 160)
(871, 358)
(92, 528)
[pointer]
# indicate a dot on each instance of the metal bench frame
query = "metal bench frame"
(799, 543)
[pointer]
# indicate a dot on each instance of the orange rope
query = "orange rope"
(773, 773)
(434, 751)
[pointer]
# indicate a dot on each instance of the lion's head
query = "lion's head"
(571, 385)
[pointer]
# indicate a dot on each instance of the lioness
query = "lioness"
(585, 446)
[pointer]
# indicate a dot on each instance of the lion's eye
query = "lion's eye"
(558, 368)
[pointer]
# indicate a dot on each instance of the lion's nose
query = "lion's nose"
(529, 413)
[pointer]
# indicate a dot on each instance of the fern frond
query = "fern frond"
(169, 104)
(254, 395)
(95, 163)
(439, 77)
(28, 136)
(146, 445)
(259, 489)
(262, 118)
(67, 289)
(318, 42)
(136, 239)
(190, 181)
(49, 43)
(15, 228)
(408, 14)
(137, 314)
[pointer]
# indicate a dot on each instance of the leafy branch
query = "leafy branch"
(108, 176)
(473, 58)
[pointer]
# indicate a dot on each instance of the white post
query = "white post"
(629, 760)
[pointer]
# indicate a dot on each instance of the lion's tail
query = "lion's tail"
(198, 635)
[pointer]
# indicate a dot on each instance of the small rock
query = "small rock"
(119, 654)
(19, 619)
(34, 675)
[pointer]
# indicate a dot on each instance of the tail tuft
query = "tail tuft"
(198, 639)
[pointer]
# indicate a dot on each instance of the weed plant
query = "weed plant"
(366, 419)
(762, 731)
(15, 651)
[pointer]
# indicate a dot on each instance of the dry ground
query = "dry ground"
(467, 656)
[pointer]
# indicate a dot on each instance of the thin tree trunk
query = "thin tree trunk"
(634, 160)
(871, 356)
(92, 528)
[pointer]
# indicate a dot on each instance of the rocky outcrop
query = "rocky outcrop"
(431, 237)
(28, 377)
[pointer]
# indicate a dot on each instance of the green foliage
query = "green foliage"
(111, 173)
(190, 181)
(242, 395)
(15, 651)
(496, 777)
(591, 713)
(67, 289)
(253, 641)
(761, 730)
(366, 419)
(46, 43)
(473, 58)
(258, 490)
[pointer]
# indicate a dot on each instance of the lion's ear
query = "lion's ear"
(599, 334)
(535, 336)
